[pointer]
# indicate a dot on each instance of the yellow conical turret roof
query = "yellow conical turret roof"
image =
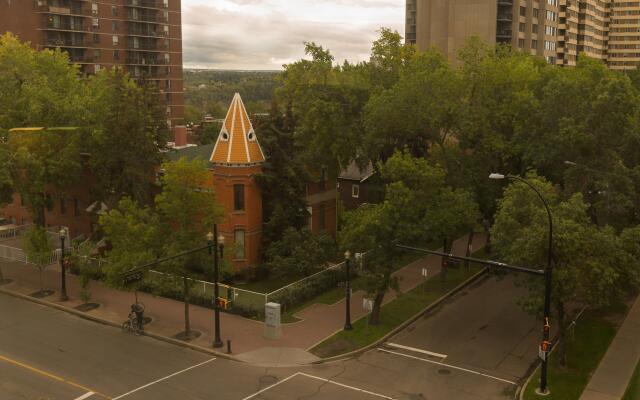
(237, 143)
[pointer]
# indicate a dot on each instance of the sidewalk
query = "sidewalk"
(318, 321)
(612, 376)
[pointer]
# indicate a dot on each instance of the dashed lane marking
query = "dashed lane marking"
(449, 366)
(162, 379)
(52, 376)
(415, 350)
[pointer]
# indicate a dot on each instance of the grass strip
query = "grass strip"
(633, 391)
(585, 348)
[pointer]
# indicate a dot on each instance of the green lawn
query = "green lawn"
(633, 391)
(393, 314)
(592, 336)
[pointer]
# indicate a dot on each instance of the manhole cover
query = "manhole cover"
(268, 379)
(444, 371)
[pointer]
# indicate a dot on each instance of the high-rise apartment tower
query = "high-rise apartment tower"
(558, 30)
(142, 36)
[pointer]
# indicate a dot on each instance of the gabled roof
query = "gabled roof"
(237, 143)
(354, 173)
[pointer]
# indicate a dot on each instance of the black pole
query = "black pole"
(347, 295)
(217, 342)
(548, 273)
(63, 288)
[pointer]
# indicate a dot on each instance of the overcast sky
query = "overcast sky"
(264, 34)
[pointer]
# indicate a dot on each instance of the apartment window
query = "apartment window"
(355, 191)
(167, 58)
(535, 13)
(238, 197)
(534, 44)
(521, 27)
(166, 15)
(165, 3)
(63, 206)
(550, 59)
(534, 28)
(94, 8)
(116, 54)
(551, 15)
(114, 26)
(96, 22)
(553, 2)
(523, 11)
(548, 45)
(96, 38)
(76, 207)
(550, 30)
(521, 43)
(114, 11)
(115, 40)
(96, 68)
(239, 244)
(166, 29)
(97, 54)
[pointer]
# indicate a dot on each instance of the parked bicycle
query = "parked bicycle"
(135, 322)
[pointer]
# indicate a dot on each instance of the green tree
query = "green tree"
(284, 177)
(38, 248)
(43, 161)
(587, 267)
(418, 207)
(187, 210)
(128, 134)
(300, 252)
(420, 110)
(135, 238)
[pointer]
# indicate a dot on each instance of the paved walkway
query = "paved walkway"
(614, 373)
(318, 321)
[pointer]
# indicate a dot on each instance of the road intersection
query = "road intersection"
(478, 345)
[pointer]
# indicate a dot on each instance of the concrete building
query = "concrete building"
(142, 36)
(558, 30)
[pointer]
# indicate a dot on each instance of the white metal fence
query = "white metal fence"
(242, 301)
(7, 234)
(16, 254)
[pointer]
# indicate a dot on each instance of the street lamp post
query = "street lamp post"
(216, 243)
(543, 390)
(347, 292)
(63, 284)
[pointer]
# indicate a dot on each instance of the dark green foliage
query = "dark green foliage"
(299, 252)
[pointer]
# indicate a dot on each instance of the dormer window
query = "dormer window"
(224, 136)
(251, 136)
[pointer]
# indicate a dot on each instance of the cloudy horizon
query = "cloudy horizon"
(265, 34)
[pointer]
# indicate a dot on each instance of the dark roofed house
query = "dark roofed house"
(359, 186)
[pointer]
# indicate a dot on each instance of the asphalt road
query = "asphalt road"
(488, 343)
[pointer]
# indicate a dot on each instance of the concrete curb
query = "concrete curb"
(406, 323)
(102, 321)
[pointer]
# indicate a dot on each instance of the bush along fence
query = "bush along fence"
(244, 302)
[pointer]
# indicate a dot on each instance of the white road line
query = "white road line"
(268, 387)
(415, 350)
(346, 386)
(162, 379)
(85, 396)
(449, 366)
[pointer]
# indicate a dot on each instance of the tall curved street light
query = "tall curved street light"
(543, 390)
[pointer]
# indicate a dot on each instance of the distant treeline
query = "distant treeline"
(211, 91)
